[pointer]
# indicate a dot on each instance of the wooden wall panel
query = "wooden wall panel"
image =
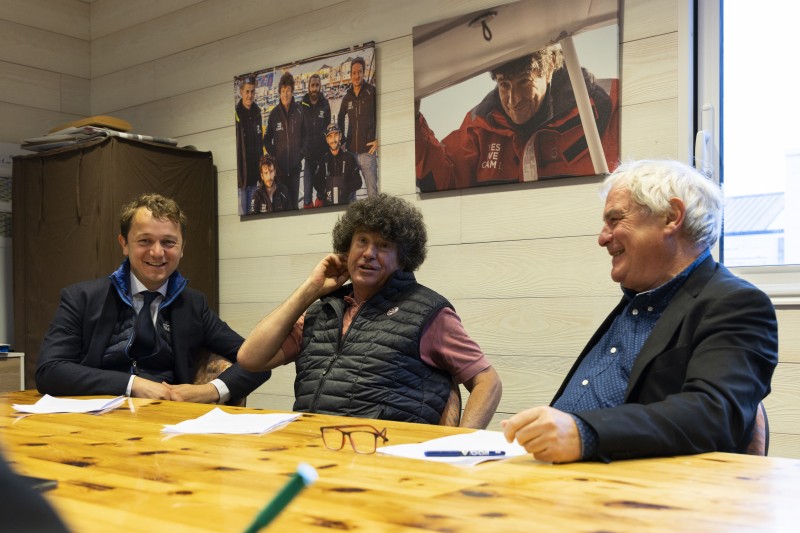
(784, 445)
(552, 268)
(395, 118)
(318, 30)
(395, 64)
(223, 140)
(124, 89)
(43, 49)
(643, 19)
(284, 235)
(75, 95)
(783, 410)
(111, 16)
(789, 335)
(66, 17)
(44, 66)
(269, 400)
(267, 279)
(227, 196)
(193, 26)
(396, 172)
(21, 122)
(650, 131)
(555, 208)
(650, 69)
(22, 85)
(532, 327)
(178, 116)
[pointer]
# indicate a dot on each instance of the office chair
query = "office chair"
(451, 415)
(759, 444)
(210, 367)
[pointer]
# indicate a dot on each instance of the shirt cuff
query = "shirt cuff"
(130, 386)
(588, 438)
(222, 389)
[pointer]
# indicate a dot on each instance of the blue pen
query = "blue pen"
(464, 453)
(306, 475)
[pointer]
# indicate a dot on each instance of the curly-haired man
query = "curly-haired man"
(382, 346)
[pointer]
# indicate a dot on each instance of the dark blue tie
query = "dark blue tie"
(144, 333)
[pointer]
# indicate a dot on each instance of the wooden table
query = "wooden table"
(117, 472)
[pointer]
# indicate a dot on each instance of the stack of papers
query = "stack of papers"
(468, 449)
(218, 421)
(48, 404)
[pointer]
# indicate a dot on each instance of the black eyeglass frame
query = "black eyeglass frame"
(347, 431)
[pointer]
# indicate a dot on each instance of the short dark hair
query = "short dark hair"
(360, 60)
(286, 80)
(267, 160)
(161, 207)
(394, 219)
(315, 75)
(543, 62)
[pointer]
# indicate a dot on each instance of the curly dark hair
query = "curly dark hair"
(394, 219)
(287, 80)
(161, 207)
(540, 63)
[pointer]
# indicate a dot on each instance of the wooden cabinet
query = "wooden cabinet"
(66, 221)
(12, 371)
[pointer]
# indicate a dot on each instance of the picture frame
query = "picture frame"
(288, 119)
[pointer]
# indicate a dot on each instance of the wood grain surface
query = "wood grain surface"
(117, 472)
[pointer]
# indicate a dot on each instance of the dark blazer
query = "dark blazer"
(72, 350)
(698, 379)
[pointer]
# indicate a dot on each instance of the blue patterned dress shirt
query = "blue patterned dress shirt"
(602, 377)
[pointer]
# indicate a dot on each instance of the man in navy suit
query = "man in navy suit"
(682, 363)
(93, 344)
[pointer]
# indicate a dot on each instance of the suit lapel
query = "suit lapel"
(104, 317)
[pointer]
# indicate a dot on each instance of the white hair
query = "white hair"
(653, 183)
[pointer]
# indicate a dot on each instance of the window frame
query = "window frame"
(703, 20)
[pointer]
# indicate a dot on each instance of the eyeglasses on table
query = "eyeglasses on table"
(363, 437)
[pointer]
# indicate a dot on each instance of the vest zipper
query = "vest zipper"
(313, 408)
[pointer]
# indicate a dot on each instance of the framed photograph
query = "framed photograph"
(306, 134)
(521, 92)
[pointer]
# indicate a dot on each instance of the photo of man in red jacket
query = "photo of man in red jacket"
(527, 128)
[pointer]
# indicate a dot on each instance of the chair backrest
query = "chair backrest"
(211, 366)
(451, 415)
(759, 444)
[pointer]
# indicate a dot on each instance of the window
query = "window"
(749, 138)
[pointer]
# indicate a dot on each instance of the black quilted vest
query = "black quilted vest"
(375, 370)
(157, 367)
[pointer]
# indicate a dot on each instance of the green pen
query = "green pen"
(305, 475)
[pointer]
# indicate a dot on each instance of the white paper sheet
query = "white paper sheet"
(478, 441)
(48, 404)
(218, 421)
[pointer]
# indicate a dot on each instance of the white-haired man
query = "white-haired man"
(682, 363)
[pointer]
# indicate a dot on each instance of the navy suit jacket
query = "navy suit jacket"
(698, 379)
(71, 355)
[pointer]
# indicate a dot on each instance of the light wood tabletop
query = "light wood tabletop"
(118, 472)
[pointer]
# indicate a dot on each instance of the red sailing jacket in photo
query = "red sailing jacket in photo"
(490, 149)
